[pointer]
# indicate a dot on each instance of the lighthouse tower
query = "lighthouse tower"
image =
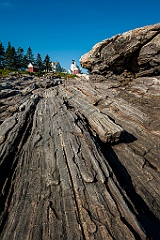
(74, 68)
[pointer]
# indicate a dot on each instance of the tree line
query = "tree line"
(16, 59)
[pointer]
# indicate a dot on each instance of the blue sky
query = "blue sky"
(67, 29)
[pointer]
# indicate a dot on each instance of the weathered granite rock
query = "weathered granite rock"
(79, 158)
(137, 51)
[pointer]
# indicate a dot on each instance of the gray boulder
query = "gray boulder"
(136, 51)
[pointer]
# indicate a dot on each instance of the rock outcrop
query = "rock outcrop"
(79, 158)
(136, 52)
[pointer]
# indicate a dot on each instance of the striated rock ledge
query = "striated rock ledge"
(135, 52)
(79, 158)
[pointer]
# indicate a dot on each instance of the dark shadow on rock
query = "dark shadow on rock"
(125, 137)
(149, 223)
(128, 137)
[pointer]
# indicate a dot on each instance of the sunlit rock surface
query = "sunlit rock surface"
(136, 52)
(79, 158)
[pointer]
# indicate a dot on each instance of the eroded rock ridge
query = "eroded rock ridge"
(135, 52)
(79, 158)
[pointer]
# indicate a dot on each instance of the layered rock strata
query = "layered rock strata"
(79, 158)
(135, 52)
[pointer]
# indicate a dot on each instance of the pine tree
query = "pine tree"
(19, 58)
(10, 57)
(14, 58)
(24, 62)
(47, 63)
(30, 56)
(39, 62)
(2, 56)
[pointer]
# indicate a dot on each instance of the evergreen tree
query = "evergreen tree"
(39, 62)
(14, 58)
(2, 56)
(19, 60)
(24, 62)
(10, 57)
(30, 56)
(47, 64)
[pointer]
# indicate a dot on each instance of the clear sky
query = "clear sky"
(66, 29)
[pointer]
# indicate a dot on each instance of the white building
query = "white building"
(74, 68)
(56, 67)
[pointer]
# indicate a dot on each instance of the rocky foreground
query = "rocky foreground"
(80, 158)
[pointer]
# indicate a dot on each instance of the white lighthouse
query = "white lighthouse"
(74, 68)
